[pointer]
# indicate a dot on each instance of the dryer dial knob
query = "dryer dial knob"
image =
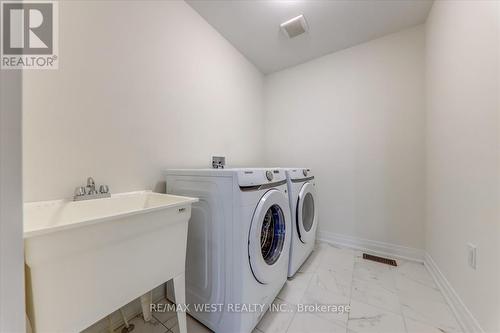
(304, 172)
(269, 175)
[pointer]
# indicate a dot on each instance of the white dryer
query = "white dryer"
(238, 243)
(303, 206)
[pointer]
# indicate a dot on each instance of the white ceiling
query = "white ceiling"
(252, 26)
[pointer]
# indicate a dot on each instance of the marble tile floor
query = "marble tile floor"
(382, 299)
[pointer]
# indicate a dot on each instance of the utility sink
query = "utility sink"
(87, 259)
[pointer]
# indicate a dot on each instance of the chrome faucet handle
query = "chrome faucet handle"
(80, 191)
(104, 189)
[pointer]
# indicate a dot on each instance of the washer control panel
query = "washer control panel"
(260, 176)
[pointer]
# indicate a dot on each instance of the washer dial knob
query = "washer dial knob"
(304, 172)
(269, 175)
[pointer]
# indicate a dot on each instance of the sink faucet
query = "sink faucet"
(91, 186)
(89, 192)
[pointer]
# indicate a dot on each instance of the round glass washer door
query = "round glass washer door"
(306, 213)
(269, 237)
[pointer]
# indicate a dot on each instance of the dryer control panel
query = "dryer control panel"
(260, 176)
(300, 173)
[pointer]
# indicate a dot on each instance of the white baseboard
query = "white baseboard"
(372, 247)
(465, 318)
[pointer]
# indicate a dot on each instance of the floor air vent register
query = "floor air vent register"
(381, 260)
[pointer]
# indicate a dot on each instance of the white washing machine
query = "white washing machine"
(238, 243)
(303, 209)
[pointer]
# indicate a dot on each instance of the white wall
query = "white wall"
(12, 318)
(142, 86)
(463, 169)
(357, 118)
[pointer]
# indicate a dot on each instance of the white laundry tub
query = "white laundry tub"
(87, 259)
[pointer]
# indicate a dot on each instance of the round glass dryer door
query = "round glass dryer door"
(269, 237)
(306, 213)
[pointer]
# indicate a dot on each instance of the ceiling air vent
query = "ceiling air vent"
(294, 27)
